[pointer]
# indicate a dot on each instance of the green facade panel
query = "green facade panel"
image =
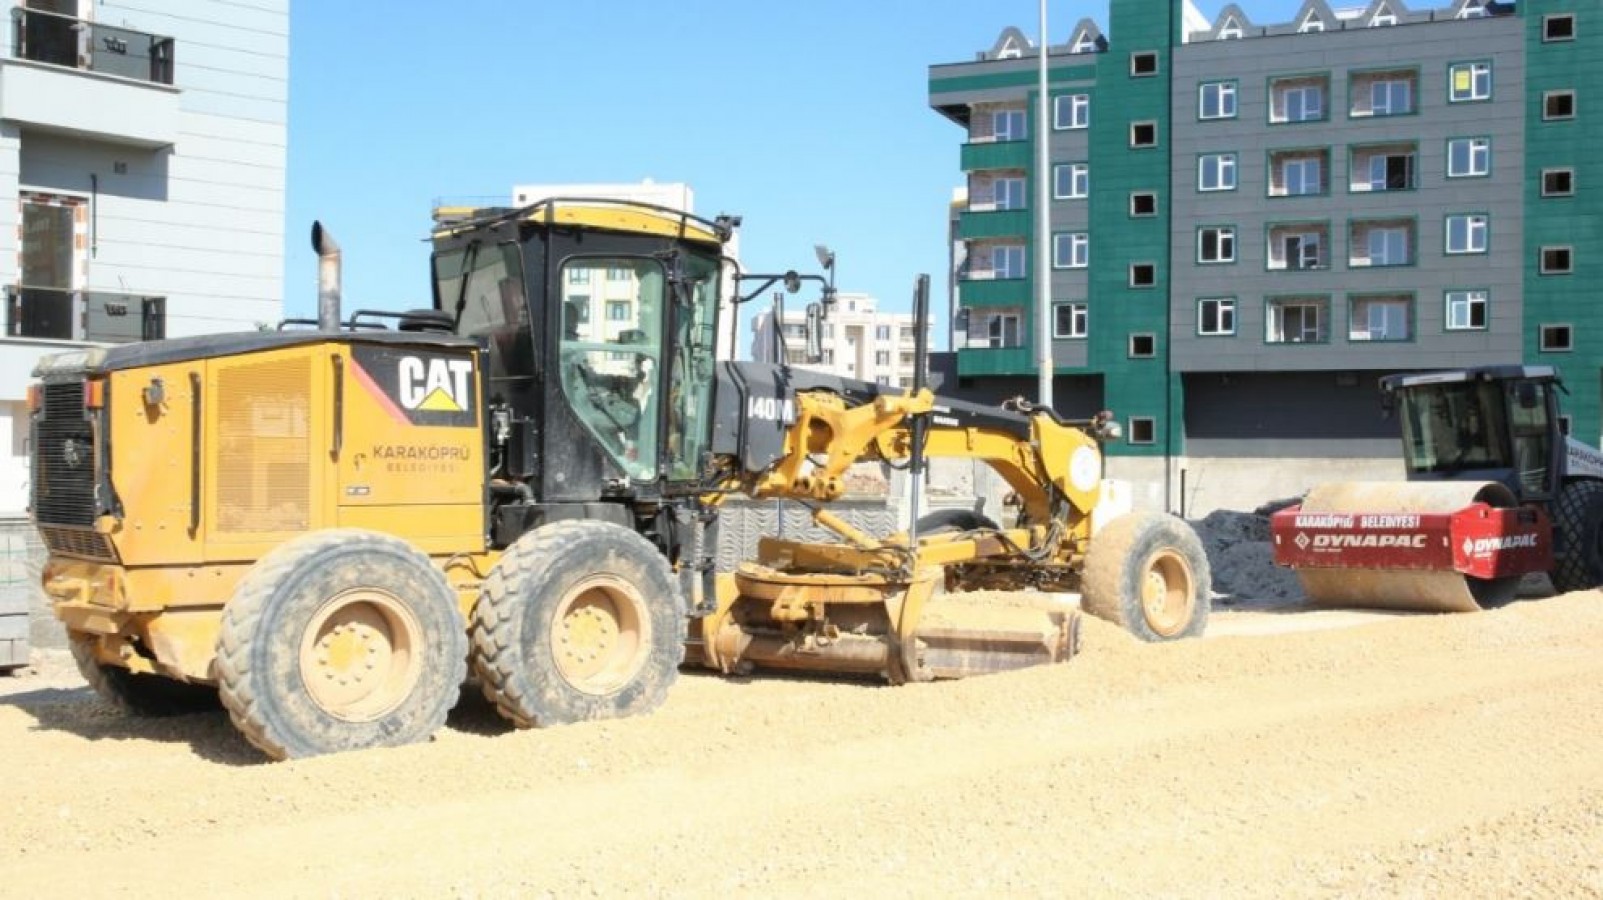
(996, 155)
(1000, 223)
(1127, 103)
(995, 292)
(1001, 361)
(1575, 221)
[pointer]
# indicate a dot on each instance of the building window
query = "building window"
(618, 311)
(1069, 320)
(1384, 168)
(1467, 233)
(1298, 173)
(1143, 64)
(1466, 310)
(1296, 320)
(1216, 244)
(1143, 346)
(578, 275)
(1143, 275)
(1469, 81)
(1558, 182)
(1007, 262)
(1381, 243)
(618, 273)
(1008, 125)
(1007, 193)
(1216, 172)
(1216, 316)
(1071, 250)
(1216, 100)
(1469, 157)
(1143, 430)
(1143, 203)
(1071, 181)
(1559, 27)
(1002, 331)
(1143, 134)
(1380, 318)
(882, 357)
(1299, 247)
(1558, 105)
(1382, 93)
(882, 332)
(1556, 339)
(1300, 99)
(1071, 111)
(1556, 260)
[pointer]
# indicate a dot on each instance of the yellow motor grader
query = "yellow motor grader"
(328, 527)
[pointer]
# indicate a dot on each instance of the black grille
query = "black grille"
(73, 542)
(63, 459)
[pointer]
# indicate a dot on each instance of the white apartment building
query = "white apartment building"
(858, 341)
(672, 195)
(142, 147)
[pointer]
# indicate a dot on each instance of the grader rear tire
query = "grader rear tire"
(578, 620)
(1147, 573)
(135, 694)
(341, 640)
(1578, 521)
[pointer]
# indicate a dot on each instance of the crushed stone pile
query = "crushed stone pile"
(1242, 559)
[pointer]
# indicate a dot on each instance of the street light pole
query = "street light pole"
(1043, 228)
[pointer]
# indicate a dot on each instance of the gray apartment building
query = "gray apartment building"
(1251, 222)
(142, 152)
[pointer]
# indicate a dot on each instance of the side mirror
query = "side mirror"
(815, 333)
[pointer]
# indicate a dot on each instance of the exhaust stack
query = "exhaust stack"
(328, 278)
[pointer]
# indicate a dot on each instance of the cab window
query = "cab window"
(610, 352)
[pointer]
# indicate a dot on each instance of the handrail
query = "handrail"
(55, 39)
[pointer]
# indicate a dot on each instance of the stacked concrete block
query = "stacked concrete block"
(20, 559)
(13, 631)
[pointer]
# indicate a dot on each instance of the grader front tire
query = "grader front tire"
(341, 640)
(578, 620)
(135, 694)
(1148, 574)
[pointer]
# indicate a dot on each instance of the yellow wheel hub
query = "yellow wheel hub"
(600, 634)
(1166, 593)
(359, 655)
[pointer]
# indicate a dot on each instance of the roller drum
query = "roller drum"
(1410, 590)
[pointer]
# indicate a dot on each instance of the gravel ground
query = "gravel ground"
(1412, 756)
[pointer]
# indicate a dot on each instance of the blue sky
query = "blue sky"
(810, 120)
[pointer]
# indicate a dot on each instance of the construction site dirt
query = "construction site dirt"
(1408, 755)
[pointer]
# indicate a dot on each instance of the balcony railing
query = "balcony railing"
(99, 317)
(59, 40)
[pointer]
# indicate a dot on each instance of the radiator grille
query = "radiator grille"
(63, 458)
(264, 461)
(73, 542)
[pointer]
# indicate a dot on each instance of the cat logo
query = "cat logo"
(419, 387)
(438, 384)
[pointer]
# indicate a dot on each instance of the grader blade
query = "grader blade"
(1412, 546)
(877, 624)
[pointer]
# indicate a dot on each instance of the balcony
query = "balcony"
(993, 224)
(996, 155)
(100, 317)
(997, 361)
(82, 78)
(990, 292)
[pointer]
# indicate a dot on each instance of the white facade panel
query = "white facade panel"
(184, 202)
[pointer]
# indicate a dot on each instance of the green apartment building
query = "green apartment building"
(1251, 222)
